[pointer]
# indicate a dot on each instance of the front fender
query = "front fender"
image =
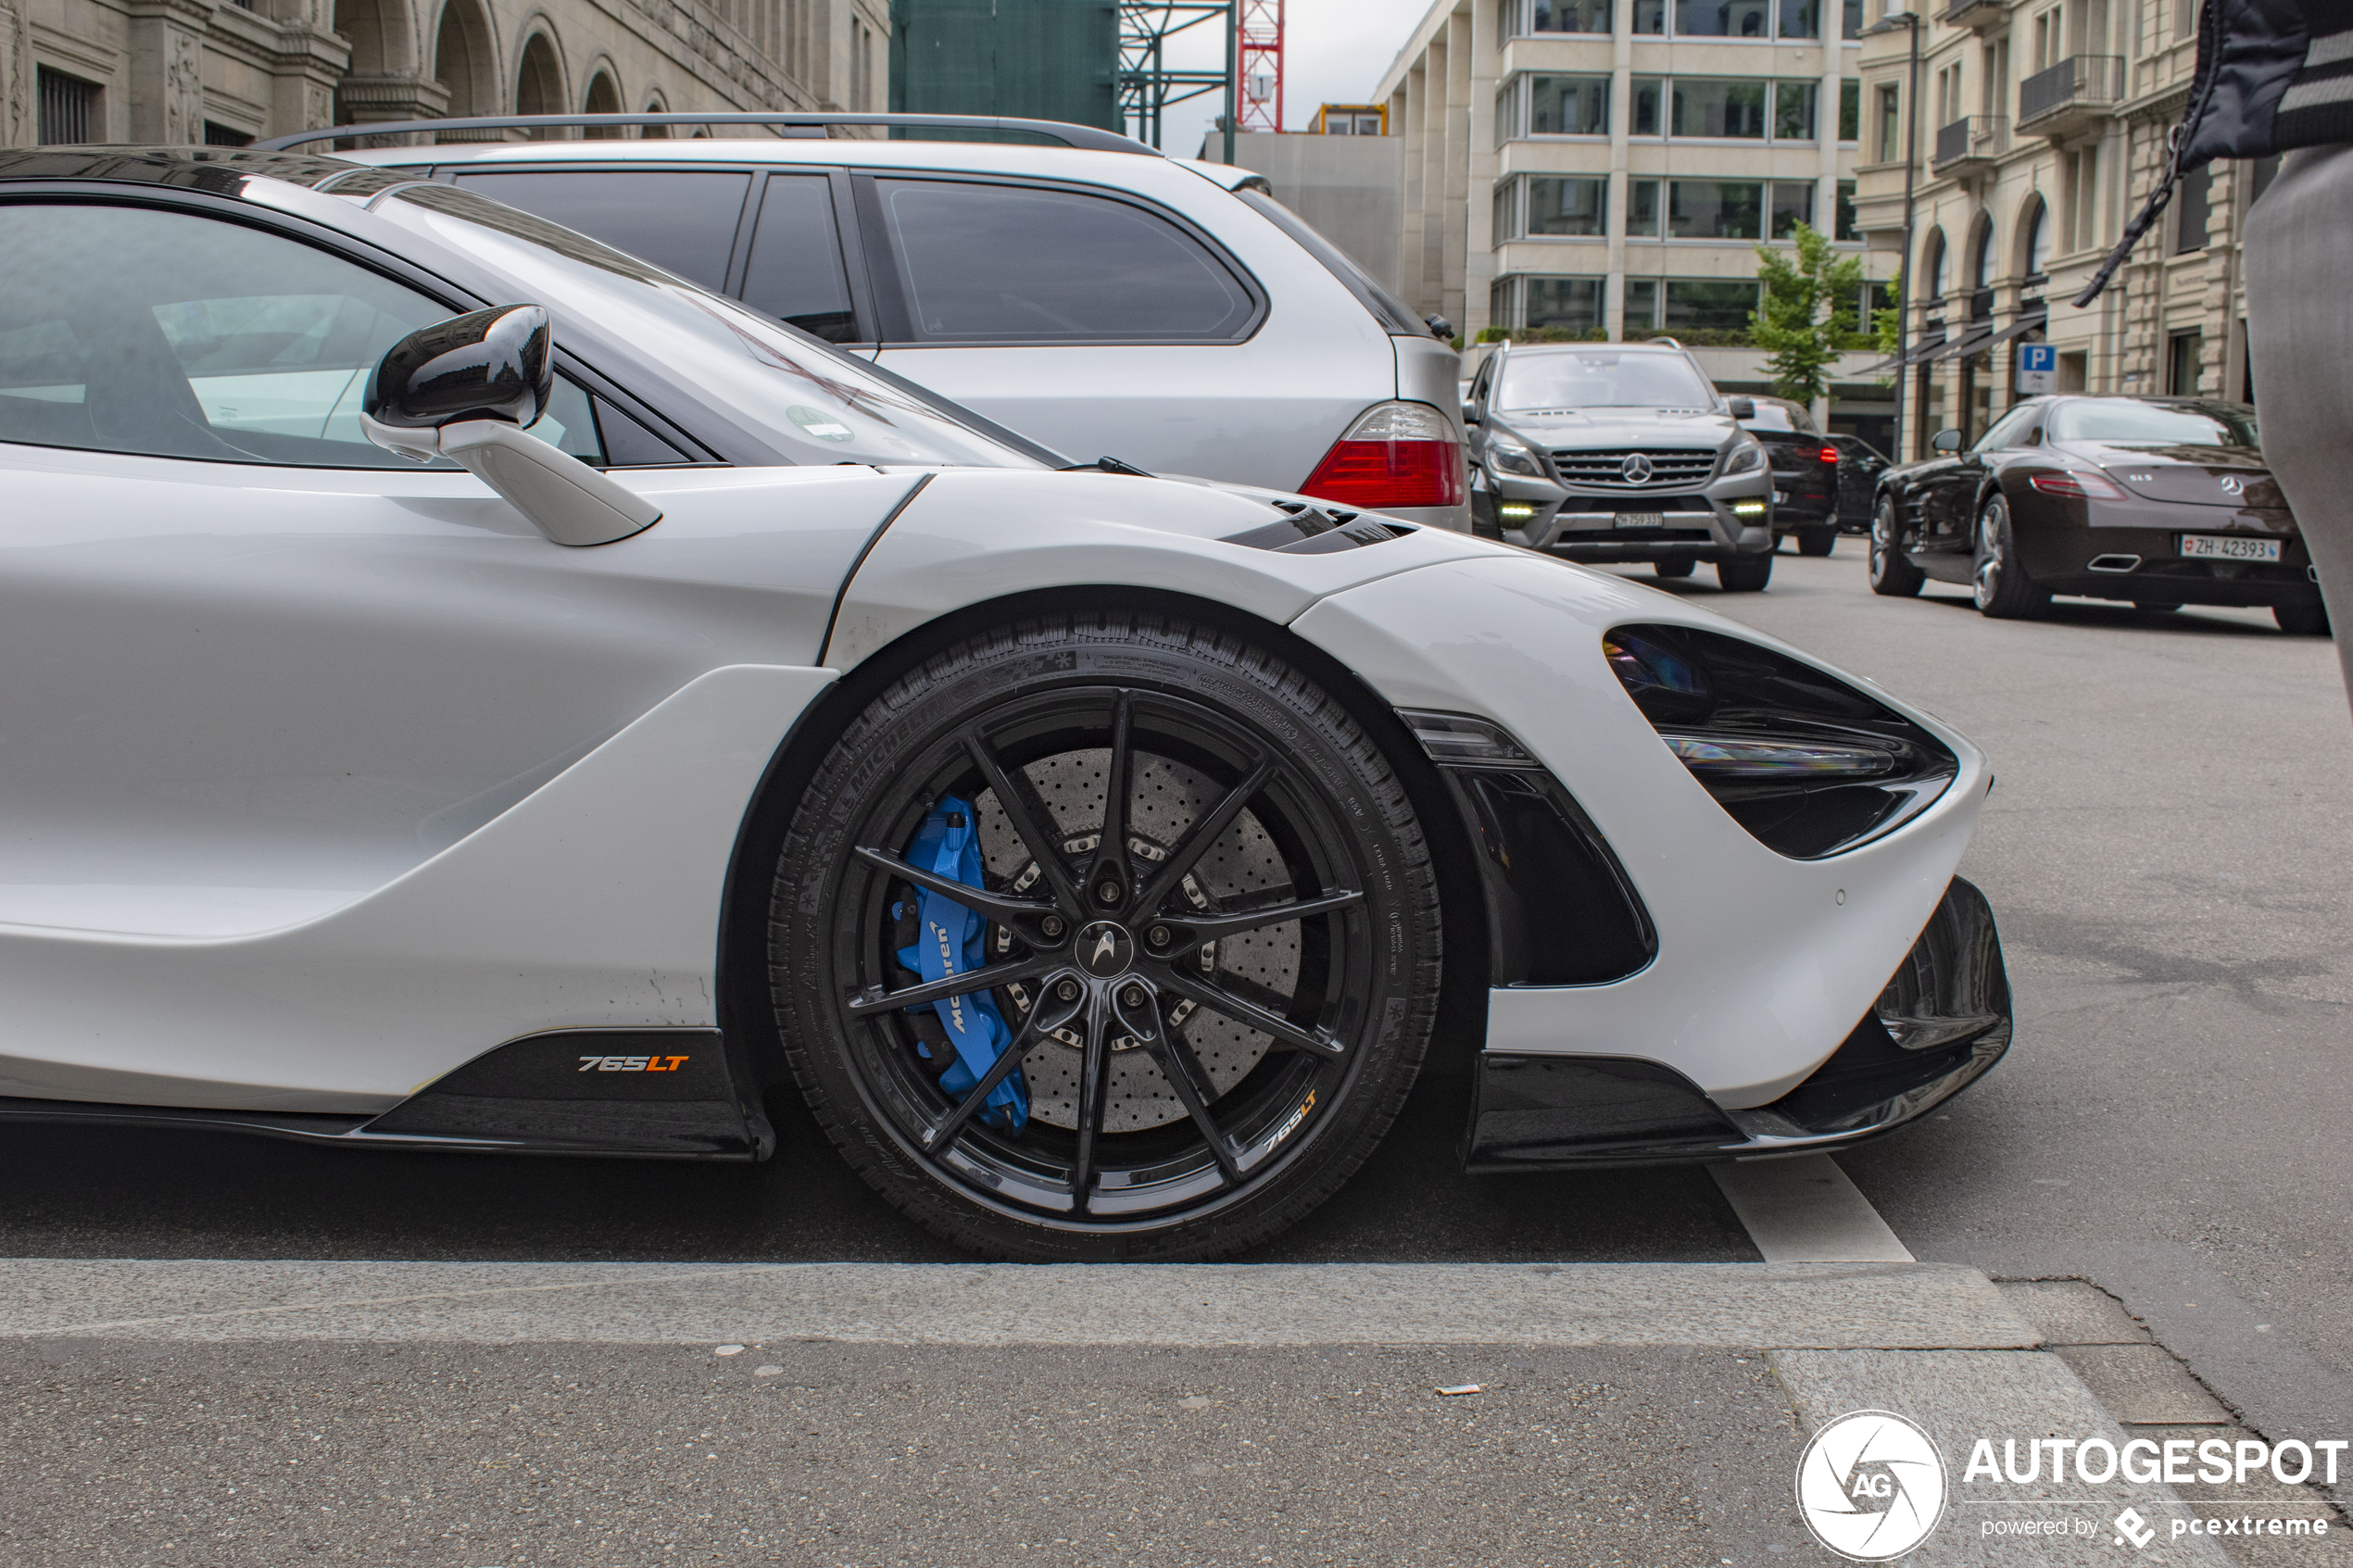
(976, 535)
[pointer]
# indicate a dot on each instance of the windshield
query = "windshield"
(1600, 379)
(816, 405)
(2124, 421)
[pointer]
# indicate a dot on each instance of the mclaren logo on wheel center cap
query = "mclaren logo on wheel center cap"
(1104, 949)
(1636, 470)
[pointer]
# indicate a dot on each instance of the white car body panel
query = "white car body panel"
(1764, 963)
(591, 903)
(974, 535)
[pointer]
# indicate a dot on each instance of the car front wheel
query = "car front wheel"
(1817, 541)
(1999, 582)
(1891, 571)
(1105, 937)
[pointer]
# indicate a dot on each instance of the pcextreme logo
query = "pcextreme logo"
(631, 1063)
(1870, 1485)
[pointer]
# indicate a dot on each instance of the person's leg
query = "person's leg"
(2300, 311)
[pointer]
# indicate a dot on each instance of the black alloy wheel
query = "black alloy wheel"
(1212, 934)
(1998, 580)
(1817, 541)
(1891, 571)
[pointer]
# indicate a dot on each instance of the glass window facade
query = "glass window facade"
(1561, 205)
(1523, 301)
(1794, 107)
(1568, 105)
(1707, 304)
(1792, 204)
(1718, 107)
(1506, 210)
(1568, 16)
(1790, 20)
(1715, 209)
(1642, 209)
(1850, 111)
(1650, 91)
(1846, 231)
(1563, 302)
(1642, 306)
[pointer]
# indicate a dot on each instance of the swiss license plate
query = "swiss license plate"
(2226, 546)
(1641, 520)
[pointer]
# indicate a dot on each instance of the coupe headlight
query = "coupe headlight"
(1509, 454)
(1806, 763)
(1746, 457)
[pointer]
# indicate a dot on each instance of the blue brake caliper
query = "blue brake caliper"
(948, 942)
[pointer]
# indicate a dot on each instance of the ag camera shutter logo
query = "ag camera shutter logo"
(1870, 1485)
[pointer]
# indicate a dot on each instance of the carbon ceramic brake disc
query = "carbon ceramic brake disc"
(1242, 865)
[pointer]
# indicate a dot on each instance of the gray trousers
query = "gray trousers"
(2299, 326)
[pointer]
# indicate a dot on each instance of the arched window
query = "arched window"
(603, 98)
(1980, 258)
(2038, 239)
(1940, 265)
(463, 60)
(658, 133)
(539, 84)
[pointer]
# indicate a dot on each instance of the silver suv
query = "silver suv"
(1619, 452)
(1097, 297)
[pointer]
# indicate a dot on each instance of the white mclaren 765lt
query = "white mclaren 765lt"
(468, 690)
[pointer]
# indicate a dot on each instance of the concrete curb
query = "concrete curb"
(1908, 1306)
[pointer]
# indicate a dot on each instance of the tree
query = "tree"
(1808, 313)
(1886, 327)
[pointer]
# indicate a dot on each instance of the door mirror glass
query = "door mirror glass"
(1946, 441)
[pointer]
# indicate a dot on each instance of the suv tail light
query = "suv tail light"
(1395, 455)
(1829, 456)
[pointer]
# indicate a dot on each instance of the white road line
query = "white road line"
(1915, 1305)
(1806, 1211)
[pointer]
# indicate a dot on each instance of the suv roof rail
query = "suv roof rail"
(1086, 137)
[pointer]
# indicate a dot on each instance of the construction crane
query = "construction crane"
(1261, 49)
(1251, 79)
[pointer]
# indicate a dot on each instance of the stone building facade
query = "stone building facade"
(2041, 128)
(1610, 165)
(229, 71)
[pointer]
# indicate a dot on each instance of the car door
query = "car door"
(258, 667)
(1103, 325)
(1947, 542)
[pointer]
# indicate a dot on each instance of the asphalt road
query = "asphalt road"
(2167, 851)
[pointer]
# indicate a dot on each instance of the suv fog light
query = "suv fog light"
(1748, 508)
(1516, 511)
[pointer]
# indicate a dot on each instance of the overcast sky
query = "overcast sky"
(1334, 52)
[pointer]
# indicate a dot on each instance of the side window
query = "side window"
(982, 263)
(681, 221)
(2005, 431)
(1483, 385)
(172, 335)
(795, 273)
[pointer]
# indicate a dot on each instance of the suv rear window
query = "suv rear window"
(992, 263)
(683, 222)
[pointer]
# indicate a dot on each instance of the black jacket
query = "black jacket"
(2271, 75)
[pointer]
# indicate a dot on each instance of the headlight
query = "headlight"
(1806, 763)
(1508, 454)
(1748, 455)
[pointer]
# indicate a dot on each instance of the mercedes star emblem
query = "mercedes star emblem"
(1635, 470)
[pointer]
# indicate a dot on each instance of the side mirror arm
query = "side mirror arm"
(465, 389)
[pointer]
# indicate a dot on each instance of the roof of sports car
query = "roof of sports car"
(218, 170)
